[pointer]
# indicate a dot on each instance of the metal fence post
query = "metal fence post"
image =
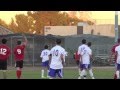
(11, 50)
(33, 52)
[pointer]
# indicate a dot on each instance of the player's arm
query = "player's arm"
(25, 40)
(62, 58)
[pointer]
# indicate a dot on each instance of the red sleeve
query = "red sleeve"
(113, 49)
(23, 46)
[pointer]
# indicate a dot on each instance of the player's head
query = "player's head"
(89, 44)
(19, 42)
(4, 41)
(84, 41)
(118, 40)
(46, 47)
(58, 41)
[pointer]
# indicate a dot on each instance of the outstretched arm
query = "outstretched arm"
(25, 40)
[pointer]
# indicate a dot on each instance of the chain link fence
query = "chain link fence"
(101, 47)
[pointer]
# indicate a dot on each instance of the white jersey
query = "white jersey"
(117, 49)
(56, 62)
(45, 55)
(85, 53)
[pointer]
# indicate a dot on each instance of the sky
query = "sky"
(97, 15)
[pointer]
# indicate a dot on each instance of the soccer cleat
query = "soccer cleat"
(79, 77)
(93, 78)
(43, 77)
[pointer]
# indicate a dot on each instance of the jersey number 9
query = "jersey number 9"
(19, 51)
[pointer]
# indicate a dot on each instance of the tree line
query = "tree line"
(35, 21)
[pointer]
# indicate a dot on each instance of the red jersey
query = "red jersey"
(77, 56)
(19, 52)
(113, 51)
(4, 52)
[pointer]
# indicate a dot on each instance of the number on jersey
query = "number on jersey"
(19, 51)
(55, 53)
(3, 51)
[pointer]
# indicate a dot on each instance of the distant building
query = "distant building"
(102, 30)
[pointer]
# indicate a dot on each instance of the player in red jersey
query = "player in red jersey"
(77, 59)
(114, 55)
(4, 55)
(19, 56)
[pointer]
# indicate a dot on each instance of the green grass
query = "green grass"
(69, 73)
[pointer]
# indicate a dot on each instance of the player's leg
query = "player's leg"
(83, 73)
(4, 69)
(47, 69)
(43, 69)
(60, 73)
(91, 72)
(52, 73)
(19, 66)
(78, 65)
(117, 71)
(115, 76)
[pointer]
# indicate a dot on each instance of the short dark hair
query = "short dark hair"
(84, 41)
(19, 42)
(89, 44)
(4, 41)
(58, 41)
(46, 46)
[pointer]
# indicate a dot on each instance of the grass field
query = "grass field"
(69, 73)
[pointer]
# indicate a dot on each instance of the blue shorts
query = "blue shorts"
(54, 72)
(85, 66)
(45, 64)
(118, 66)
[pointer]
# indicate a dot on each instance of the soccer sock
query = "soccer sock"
(47, 73)
(4, 75)
(42, 73)
(18, 73)
(83, 72)
(91, 73)
(117, 74)
(79, 71)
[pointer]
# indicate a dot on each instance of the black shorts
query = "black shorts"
(77, 62)
(3, 65)
(19, 64)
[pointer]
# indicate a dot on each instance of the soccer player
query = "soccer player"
(19, 56)
(117, 53)
(77, 59)
(4, 55)
(90, 68)
(85, 54)
(114, 55)
(45, 61)
(57, 60)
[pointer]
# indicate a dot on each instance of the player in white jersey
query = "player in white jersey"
(80, 50)
(85, 53)
(90, 67)
(45, 61)
(57, 60)
(117, 52)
